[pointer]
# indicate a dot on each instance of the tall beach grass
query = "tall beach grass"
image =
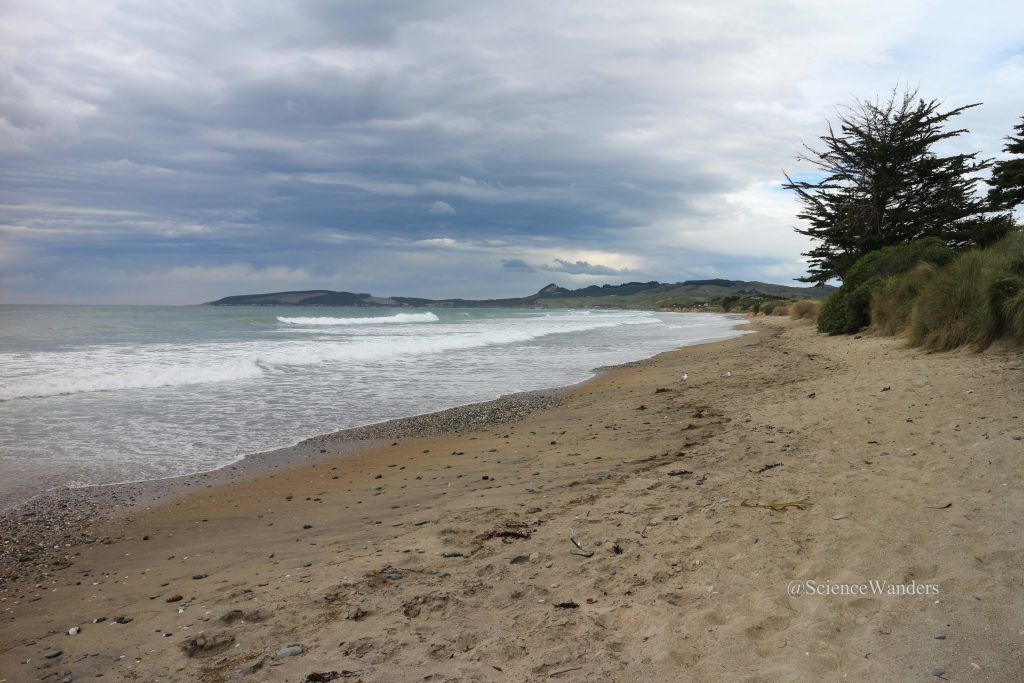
(973, 300)
(806, 309)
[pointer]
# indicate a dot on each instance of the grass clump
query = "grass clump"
(973, 300)
(953, 310)
(806, 309)
(892, 305)
(775, 308)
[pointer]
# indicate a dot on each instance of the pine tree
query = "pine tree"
(1007, 179)
(882, 185)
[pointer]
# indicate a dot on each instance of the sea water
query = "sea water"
(98, 395)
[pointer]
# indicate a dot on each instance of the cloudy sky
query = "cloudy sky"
(176, 152)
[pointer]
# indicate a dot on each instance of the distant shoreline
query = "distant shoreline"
(699, 294)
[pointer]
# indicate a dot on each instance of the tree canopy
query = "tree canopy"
(1007, 179)
(881, 183)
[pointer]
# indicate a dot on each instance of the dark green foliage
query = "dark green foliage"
(897, 259)
(883, 185)
(1007, 179)
(848, 309)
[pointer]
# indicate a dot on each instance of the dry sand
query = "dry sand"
(446, 557)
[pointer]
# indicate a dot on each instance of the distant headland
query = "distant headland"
(689, 295)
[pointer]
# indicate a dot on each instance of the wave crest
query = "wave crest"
(378, 320)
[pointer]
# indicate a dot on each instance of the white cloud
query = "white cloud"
(439, 208)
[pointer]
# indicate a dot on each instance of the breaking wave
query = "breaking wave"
(378, 320)
(169, 365)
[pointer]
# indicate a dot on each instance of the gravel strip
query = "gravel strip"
(459, 419)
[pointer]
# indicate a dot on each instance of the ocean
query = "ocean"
(108, 394)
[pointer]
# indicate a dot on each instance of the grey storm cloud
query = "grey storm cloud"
(518, 265)
(216, 144)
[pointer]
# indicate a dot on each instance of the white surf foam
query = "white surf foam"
(170, 365)
(399, 318)
(147, 375)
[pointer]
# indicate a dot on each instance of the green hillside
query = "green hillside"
(692, 294)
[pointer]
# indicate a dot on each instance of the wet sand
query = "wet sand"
(636, 527)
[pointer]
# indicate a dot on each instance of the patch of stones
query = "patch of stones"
(463, 418)
(41, 535)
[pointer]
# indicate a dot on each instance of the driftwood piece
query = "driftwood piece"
(579, 549)
(777, 505)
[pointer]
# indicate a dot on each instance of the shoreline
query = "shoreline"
(47, 525)
(632, 531)
(65, 516)
(151, 490)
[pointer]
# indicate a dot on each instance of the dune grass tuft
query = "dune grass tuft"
(892, 305)
(975, 299)
(806, 309)
(1013, 314)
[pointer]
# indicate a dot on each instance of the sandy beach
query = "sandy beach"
(637, 527)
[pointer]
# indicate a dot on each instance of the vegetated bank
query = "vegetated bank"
(939, 299)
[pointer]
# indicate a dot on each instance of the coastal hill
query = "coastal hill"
(715, 293)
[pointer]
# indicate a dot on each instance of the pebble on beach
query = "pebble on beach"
(290, 651)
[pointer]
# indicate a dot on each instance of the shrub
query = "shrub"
(898, 259)
(806, 309)
(728, 302)
(848, 309)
